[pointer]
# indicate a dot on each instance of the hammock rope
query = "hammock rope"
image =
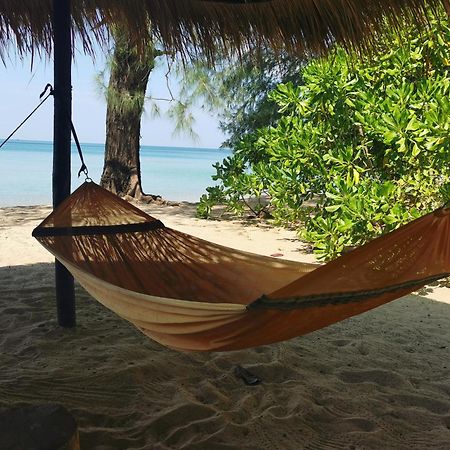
(336, 298)
(97, 230)
(48, 87)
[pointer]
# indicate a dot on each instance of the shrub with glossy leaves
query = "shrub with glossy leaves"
(367, 141)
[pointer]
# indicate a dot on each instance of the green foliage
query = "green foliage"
(237, 89)
(366, 142)
(244, 87)
(125, 59)
(241, 189)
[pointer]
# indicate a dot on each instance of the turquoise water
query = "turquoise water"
(176, 173)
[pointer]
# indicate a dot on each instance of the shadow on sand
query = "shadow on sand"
(379, 380)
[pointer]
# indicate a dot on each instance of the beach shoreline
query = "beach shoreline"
(176, 173)
(378, 380)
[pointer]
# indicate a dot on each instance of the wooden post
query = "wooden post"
(62, 51)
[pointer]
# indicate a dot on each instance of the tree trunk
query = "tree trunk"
(130, 70)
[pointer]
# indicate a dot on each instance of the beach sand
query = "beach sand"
(380, 380)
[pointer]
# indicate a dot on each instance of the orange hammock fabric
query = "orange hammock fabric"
(190, 294)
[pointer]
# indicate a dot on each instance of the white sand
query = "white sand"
(379, 380)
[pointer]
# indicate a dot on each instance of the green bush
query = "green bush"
(367, 141)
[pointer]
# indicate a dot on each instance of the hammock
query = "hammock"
(191, 294)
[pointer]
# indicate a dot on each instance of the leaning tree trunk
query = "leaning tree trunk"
(130, 70)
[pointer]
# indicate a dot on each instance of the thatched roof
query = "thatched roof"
(295, 25)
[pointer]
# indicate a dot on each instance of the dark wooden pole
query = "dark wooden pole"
(62, 51)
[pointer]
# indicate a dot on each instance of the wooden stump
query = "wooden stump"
(38, 427)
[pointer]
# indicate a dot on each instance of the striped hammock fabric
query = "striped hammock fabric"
(193, 295)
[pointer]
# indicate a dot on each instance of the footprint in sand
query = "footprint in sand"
(354, 424)
(341, 342)
(170, 421)
(376, 376)
(446, 422)
(430, 404)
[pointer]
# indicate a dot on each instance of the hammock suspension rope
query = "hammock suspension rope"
(43, 100)
(48, 87)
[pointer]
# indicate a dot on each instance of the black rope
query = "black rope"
(83, 168)
(98, 230)
(47, 87)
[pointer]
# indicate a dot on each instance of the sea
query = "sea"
(175, 173)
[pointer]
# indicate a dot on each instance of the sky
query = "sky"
(21, 84)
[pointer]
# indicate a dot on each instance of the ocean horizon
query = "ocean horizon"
(175, 173)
